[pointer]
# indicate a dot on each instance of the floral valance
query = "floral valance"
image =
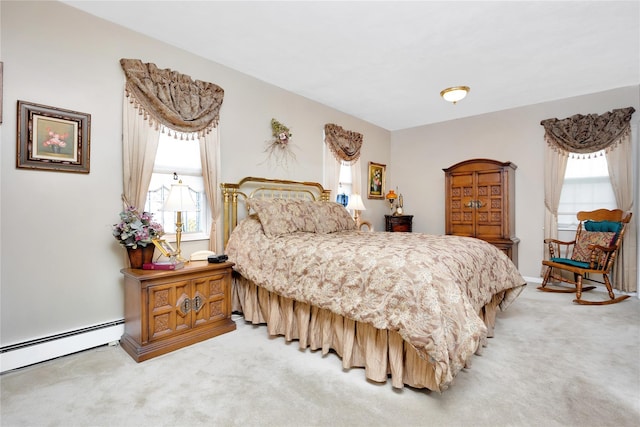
(344, 144)
(172, 99)
(588, 134)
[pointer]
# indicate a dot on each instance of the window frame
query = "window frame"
(182, 173)
(577, 177)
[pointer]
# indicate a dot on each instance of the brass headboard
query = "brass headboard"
(263, 188)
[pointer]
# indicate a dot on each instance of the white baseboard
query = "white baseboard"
(36, 351)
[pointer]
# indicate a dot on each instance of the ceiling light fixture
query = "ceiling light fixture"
(454, 94)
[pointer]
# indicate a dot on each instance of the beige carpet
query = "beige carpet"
(551, 363)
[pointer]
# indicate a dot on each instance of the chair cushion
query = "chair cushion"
(568, 261)
(581, 250)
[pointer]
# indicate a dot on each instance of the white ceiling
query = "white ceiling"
(386, 62)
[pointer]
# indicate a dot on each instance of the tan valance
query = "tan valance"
(172, 99)
(344, 144)
(588, 134)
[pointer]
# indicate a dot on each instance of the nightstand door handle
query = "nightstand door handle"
(197, 303)
(185, 306)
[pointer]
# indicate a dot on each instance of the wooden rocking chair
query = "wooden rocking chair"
(594, 250)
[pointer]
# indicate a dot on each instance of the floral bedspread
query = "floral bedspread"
(428, 288)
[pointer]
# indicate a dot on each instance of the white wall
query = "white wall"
(418, 156)
(60, 267)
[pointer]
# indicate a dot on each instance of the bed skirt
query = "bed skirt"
(382, 353)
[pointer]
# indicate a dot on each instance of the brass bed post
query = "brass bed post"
(234, 210)
(229, 190)
(225, 215)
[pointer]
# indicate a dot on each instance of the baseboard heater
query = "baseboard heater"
(38, 350)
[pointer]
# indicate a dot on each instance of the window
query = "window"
(181, 157)
(345, 184)
(586, 187)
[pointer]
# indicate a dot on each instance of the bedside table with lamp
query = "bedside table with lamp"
(396, 221)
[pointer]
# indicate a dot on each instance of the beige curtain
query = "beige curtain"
(156, 98)
(356, 177)
(555, 166)
(620, 164)
(332, 175)
(344, 144)
(587, 134)
(341, 146)
(331, 172)
(209, 154)
(139, 145)
(171, 98)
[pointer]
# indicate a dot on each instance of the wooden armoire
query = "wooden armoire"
(480, 202)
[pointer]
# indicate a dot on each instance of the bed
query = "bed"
(410, 307)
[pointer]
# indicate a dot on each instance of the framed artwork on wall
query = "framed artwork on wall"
(51, 138)
(376, 180)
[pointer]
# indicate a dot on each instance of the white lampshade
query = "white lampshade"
(454, 94)
(179, 199)
(355, 203)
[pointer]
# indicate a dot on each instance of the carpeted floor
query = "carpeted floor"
(551, 363)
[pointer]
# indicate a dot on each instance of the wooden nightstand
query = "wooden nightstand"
(398, 222)
(169, 309)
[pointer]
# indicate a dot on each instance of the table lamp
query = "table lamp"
(391, 198)
(355, 204)
(179, 201)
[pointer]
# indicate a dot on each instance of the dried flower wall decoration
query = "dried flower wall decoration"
(279, 147)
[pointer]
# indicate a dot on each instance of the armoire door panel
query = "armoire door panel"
(462, 196)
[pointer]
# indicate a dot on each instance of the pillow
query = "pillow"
(332, 217)
(603, 226)
(581, 250)
(283, 216)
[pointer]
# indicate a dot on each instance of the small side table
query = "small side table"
(169, 309)
(398, 223)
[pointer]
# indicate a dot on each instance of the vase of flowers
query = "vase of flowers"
(136, 232)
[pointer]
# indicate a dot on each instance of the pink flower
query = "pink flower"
(55, 139)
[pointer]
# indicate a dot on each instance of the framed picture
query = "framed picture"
(376, 181)
(164, 247)
(53, 139)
